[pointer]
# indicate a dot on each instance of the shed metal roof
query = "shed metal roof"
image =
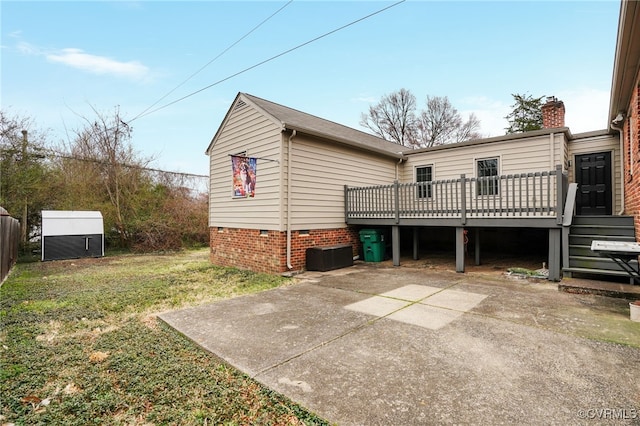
(71, 214)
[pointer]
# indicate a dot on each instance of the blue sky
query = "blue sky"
(61, 59)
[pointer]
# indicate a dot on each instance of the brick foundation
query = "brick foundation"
(267, 251)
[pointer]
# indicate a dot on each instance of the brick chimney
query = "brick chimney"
(552, 113)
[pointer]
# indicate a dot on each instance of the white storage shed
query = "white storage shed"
(71, 234)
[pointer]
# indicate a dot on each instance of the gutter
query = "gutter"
(293, 135)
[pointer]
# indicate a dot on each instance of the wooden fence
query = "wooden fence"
(536, 194)
(9, 239)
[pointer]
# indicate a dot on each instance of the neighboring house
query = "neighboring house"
(282, 181)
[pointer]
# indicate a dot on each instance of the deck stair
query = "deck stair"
(585, 229)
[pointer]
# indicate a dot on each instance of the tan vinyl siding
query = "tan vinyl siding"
(320, 171)
(518, 156)
(595, 144)
(246, 130)
(515, 156)
(559, 152)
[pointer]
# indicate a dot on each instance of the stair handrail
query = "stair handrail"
(569, 204)
(567, 219)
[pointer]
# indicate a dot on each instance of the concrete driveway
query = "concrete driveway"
(377, 345)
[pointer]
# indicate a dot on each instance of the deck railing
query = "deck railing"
(539, 194)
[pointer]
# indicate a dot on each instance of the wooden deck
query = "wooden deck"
(520, 200)
(533, 200)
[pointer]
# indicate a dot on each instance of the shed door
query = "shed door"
(58, 247)
(593, 176)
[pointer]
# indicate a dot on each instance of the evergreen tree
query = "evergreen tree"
(526, 114)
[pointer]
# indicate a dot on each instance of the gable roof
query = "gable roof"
(301, 122)
(510, 137)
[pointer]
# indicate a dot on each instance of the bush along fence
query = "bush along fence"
(9, 239)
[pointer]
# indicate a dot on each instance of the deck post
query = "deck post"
(463, 199)
(559, 194)
(477, 247)
(346, 204)
(395, 245)
(416, 242)
(565, 251)
(554, 253)
(459, 249)
(396, 195)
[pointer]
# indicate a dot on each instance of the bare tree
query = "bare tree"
(104, 147)
(469, 130)
(394, 118)
(144, 209)
(438, 122)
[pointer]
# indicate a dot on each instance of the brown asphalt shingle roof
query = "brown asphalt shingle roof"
(306, 123)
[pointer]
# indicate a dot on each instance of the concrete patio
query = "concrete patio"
(373, 344)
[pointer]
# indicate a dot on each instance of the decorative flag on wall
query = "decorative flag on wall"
(244, 176)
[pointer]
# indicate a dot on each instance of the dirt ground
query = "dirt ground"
(491, 264)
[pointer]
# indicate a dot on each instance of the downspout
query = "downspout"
(293, 134)
(614, 125)
(398, 163)
(552, 146)
(563, 154)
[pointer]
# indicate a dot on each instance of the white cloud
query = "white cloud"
(27, 49)
(585, 109)
(490, 112)
(76, 58)
(365, 98)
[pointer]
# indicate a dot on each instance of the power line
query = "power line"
(268, 60)
(54, 153)
(211, 61)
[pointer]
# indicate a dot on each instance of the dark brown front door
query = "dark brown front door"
(593, 176)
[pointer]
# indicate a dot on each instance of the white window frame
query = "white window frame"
(487, 188)
(429, 187)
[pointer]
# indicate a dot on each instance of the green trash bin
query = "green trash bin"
(372, 245)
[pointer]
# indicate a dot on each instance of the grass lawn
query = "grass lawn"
(80, 344)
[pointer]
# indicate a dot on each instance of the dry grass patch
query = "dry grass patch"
(81, 344)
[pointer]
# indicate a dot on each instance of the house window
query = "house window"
(487, 173)
(424, 176)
